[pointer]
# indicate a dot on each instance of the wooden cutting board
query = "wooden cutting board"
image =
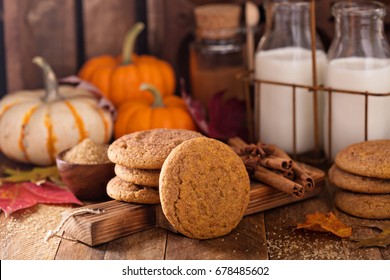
(119, 219)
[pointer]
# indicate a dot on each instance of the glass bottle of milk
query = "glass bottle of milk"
(284, 55)
(359, 60)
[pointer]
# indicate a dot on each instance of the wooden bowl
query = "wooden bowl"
(85, 181)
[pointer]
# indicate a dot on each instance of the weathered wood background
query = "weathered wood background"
(67, 32)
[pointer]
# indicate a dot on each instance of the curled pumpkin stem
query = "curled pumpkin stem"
(129, 42)
(158, 100)
(49, 78)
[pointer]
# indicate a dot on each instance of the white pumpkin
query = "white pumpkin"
(36, 125)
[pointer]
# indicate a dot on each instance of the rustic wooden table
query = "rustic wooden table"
(265, 235)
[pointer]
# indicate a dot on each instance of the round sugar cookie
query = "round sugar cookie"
(368, 206)
(147, 149)
(355, 183)
(123, 191)
(143, 177)
(369, 158)
(204, 188)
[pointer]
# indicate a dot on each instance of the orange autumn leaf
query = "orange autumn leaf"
(326, 223)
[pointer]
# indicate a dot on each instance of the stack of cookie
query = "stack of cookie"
(361, 174)
(138, 159)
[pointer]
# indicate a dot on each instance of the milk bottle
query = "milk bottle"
(359, 61)
(284, 55)
(288, 65)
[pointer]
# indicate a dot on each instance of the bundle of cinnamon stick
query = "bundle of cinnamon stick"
(271, 165)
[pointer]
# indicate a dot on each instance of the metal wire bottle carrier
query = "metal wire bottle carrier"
(253, 119)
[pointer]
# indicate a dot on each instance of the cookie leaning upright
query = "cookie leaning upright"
(204, 188)
(369, 158)
(149, 148)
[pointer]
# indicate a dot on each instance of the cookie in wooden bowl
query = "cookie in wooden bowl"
(204, 188)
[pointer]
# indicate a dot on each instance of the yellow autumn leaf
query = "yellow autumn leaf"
(325, 222)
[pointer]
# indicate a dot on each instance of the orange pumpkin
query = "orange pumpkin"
(168, 112)
(119, 79)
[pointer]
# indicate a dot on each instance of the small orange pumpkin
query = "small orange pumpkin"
(119, 78)
(136, 115)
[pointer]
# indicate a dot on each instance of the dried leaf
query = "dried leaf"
(227, 117)
(326, 223)
(35, 175)
(196, 110)
(382, 239)
(16, 196)
(81, 84)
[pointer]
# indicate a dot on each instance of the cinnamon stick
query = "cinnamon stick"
(279, 182)
(261, 152)
(258, 161)
(301, 177)
(277, 163)
(236, 142)
(289, 174)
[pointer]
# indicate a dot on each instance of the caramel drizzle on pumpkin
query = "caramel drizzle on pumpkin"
(51, 139)
(26, 119)
(7, 107)
(105, 123)
(78, 120)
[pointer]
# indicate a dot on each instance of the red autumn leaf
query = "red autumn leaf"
(196, 110)
(326, 223)
(16, 196)
(227, 117)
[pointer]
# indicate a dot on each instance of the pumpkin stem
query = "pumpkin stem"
(49, 78)
(129, 42)
(158, 100)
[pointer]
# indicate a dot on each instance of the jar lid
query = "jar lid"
(217, 21)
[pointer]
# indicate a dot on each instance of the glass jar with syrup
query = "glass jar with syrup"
(217, 53)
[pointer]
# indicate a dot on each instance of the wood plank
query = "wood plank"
(117, 219)
(286, 243)
(105, 25)
(95, 229)
(170, 27)
(247, 241)
(352, 252)
(71, 250)
(38, 27)
(3, 79)
(22, 234)
(169, 24)
(145, 245)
